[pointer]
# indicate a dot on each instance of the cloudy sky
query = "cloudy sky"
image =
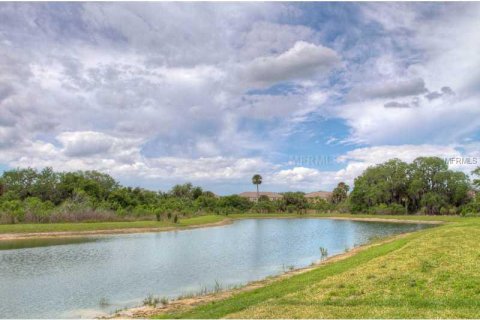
(305, 94)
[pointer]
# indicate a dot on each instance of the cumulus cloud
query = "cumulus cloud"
(302, 60)
(445, 91)
(395, 104)
(390, 89)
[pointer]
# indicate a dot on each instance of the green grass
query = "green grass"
(432, 273)
(94, 226)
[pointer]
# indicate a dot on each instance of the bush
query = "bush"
(394, 209)
(13, 211)
(37, 210)
(471, 209)
(343, 207)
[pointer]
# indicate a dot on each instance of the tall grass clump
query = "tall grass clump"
(323, 253)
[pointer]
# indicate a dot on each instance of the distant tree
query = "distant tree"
(20, 182)
(263, 198)
(426, 184)
(294, 201)
(196, 192)
(182, 190)
(476, 181)
(257, 180)
(2, 187)
(234, 203)
(340, 193)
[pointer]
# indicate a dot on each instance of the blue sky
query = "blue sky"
(306, 94)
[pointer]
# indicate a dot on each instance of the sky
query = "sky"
(305, 94)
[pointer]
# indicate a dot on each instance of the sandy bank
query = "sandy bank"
(68, 234)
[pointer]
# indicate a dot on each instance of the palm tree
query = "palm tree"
(257, 179)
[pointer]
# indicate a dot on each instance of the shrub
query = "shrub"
(471, 209)
(383, 208)
(37, 210)
(13, 211)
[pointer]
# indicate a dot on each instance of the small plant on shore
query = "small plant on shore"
(103, 302)
(164, 301)
(217, 287)
(323, 253)
(175, 219)
(151, 301)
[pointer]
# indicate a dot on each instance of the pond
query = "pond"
(85, 277)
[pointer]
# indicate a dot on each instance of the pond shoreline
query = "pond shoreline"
(226, 221)
(105, 232)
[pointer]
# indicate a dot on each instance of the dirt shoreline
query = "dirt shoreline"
(389, 220)
(106, 232)
(184, 304)
(350, 218)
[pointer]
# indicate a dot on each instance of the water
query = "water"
(67, 278)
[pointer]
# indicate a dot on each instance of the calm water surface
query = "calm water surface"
(67, 278)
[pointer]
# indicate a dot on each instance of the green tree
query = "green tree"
(476, 181)
(257, 180)
(420, 184)
(294, 201)
(340, 193)
(20, 182)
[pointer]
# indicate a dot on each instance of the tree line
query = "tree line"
(395, 187)
(29, 195)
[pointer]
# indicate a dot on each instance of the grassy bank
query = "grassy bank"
(97, 226)
(429, 274)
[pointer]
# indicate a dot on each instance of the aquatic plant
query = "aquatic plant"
(217, 287)
(323, 253)
(103, 302)
(151, 301)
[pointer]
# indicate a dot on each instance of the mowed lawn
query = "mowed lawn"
(99, 226)
(434, 273)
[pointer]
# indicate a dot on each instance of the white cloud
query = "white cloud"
(302, 60)
(267, 38)
(379, 154)
(389, 89)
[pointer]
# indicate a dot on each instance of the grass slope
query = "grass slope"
(94, 226)
(429, 274)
